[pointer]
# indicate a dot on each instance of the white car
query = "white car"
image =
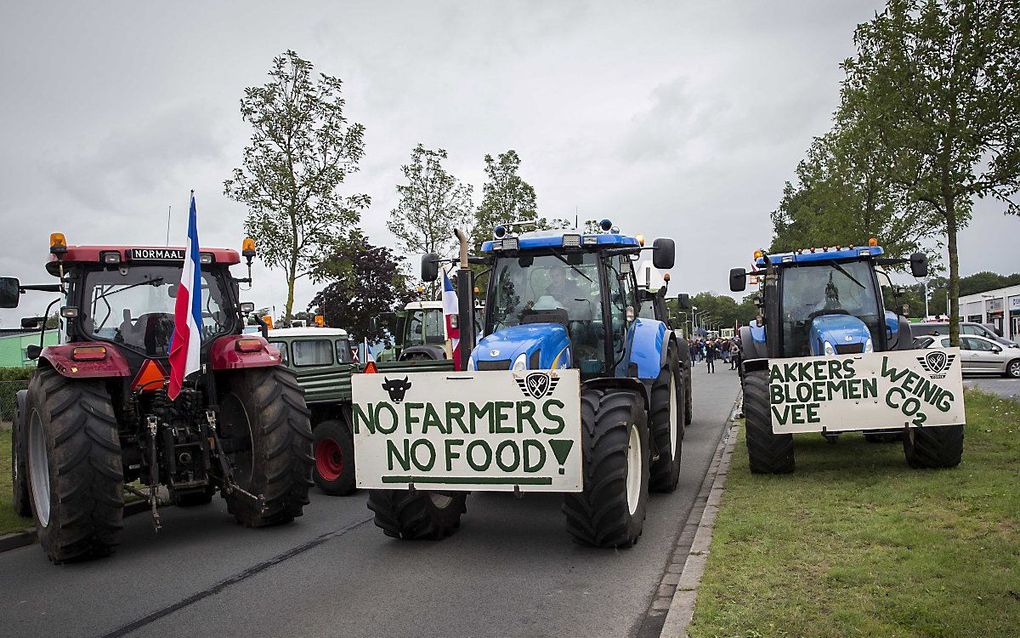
(979, 355)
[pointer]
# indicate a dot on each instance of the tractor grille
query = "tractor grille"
(852, 348)
(488, 366)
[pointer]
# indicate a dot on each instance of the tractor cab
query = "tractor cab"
(826, 301)
(563, 299)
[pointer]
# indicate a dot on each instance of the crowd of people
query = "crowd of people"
(715, 349)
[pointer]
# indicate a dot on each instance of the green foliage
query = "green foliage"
(9, 521)
(363, 282)
(302, 149)
(16, 374)
(855, 543)
(432, 204)
(938, 81)
(716, 310)
(506, 197)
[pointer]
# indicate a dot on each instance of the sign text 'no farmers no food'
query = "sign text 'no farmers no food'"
(481, 431)
(913, 388)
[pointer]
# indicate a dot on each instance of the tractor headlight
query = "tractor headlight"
(869, 346)
(520, 363)
(829, 349)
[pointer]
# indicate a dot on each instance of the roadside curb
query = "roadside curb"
(681, 608)
(29, 537)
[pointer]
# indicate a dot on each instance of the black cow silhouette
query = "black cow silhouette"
(396, 388)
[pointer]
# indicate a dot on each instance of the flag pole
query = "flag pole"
(168, 223)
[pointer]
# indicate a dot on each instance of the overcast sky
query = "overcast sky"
(678, 119)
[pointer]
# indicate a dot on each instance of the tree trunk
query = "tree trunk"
(291, 276)
(954, 272)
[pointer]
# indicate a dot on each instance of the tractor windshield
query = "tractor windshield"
(551, 288)
(826, 289)
(135, 307)
(425, 326)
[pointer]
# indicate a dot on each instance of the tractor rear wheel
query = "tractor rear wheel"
(768, 453)
(334, 458)
(417, 514)
(19, 458)
(74, 466)
(667, 425)
(933, 447)
(685, 368)
(268, 441)
(610, 512)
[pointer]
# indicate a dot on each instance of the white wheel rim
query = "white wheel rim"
(674, 417)
(39, 469)
(441, 501)
(633, 469)
(1014, 369)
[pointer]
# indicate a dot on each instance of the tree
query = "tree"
(432, 204)
(302, 148)
(939, 80)
(364, 281)
(844, 196)
(506, 197)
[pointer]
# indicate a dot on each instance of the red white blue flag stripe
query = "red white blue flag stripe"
(186, 343)
(450, 310)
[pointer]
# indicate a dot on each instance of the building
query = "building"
(14, 342)
(999, 309)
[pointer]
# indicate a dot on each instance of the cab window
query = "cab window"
(312, 353)
(282, 347)
(343, 351)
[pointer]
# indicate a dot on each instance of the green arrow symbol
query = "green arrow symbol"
(561, 448)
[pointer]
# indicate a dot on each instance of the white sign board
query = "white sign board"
(478, 431)
(914, 388)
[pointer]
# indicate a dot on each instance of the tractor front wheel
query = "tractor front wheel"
(19, 458)
(267, 438)
(768, 453)
(417, 514)
(334, 458)
(610, 511)
(667, 425)
(74, 466)
(933, 447)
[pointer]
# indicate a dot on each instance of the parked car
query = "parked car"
(966, 328)
(979, 355)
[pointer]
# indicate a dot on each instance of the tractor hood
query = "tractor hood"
(844, 333)
(544, 346)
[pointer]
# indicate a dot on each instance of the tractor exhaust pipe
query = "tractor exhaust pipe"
(466, 301)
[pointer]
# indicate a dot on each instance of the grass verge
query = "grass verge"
(855, 543)
(9, 521)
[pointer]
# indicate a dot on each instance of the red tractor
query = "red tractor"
(96, 420)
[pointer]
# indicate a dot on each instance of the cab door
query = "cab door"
(980, 354)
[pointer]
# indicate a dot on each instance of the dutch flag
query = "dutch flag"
(451, 310)
(186, 343)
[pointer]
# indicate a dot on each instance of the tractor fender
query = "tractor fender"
(751, 348)
(61, 358)
(224, 354)
(899, 335)
(647, 346)
(621, 383)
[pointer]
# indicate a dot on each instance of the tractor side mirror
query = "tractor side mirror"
(429, 267)
(683, 301)
(663, 253)
(32, 351)
(738, 279)
(10, 292)
(919, 265)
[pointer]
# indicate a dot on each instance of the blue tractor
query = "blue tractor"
(819, 302)
(568, 299)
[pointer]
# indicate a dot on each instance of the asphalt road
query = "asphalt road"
(1007, 388)
(511, 570)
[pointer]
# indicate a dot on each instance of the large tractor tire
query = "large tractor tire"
(685, 367)
(74, 466)
(417, 514)
(610, 512)
(334, 458)
(767, 452)
(933, 447)
(19, 458)
(267, 437)
(667, 425)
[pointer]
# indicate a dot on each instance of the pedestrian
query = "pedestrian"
(693, 347)
(711, 352)
(734, 354)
